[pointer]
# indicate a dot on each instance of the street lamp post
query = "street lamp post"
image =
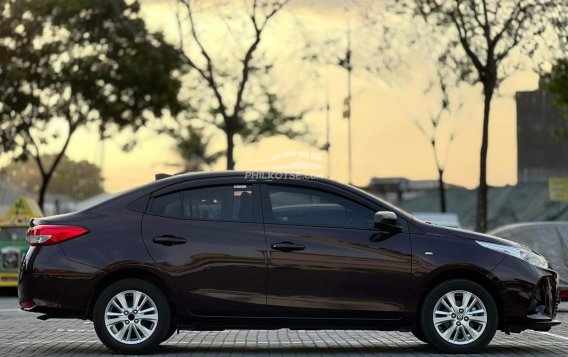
(346, 64)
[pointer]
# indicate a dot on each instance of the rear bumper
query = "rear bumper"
(50, 283)
(50, 312)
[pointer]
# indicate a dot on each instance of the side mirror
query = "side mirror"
(385, 218)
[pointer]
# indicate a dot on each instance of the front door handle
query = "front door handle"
(169, 240)
(287, 247)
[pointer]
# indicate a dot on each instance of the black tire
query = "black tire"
(431, 331)
(160, 329)
(417, 332)
(171, 331)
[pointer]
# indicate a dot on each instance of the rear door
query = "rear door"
(326, 258)
(208, 237)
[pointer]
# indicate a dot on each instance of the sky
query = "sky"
(385, 142)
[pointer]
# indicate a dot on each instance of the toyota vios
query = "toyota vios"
(230, 250)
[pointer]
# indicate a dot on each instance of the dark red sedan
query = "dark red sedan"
(241, 250)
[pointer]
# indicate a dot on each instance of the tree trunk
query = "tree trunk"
(42, 190)
(46, 175)
(481, 224)
(230, 147)
(442, 191)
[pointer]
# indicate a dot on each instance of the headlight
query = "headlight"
(524, 254)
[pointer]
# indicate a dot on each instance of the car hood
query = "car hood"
(462, 233)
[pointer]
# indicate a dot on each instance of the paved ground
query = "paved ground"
(21, 334)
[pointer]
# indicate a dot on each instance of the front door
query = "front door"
(326, 258)
(210, 240)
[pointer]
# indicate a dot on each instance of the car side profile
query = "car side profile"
(230, 250)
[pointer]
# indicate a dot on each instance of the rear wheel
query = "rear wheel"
(132, 316)
(459, 316)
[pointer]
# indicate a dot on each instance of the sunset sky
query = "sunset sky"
(385, 142)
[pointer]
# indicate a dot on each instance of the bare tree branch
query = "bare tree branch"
(461, 27)
(208, 73)
(515, 41)
(512, 16)
(249, 53)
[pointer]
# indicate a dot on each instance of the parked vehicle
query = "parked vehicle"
(13, 244)
(547, 238)
(210, 251)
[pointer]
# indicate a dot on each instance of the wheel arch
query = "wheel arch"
(485, 280)
(133, 273)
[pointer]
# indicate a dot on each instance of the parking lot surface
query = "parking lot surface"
(21, 334)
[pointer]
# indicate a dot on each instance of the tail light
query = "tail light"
(48, 234)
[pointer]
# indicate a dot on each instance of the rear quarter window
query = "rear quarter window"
(168, 205)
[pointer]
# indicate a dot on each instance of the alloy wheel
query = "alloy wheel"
(460, 317)
(131, 317)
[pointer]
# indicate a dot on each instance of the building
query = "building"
(396, 189)
(540, 154)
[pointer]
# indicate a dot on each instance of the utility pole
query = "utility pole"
(345, 63)
(327, 146)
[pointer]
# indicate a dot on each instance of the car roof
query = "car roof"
(261, 176)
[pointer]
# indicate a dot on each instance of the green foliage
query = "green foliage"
(193, 149)
(87, 60)
(77, 179)
(557, 82)
(84, 62)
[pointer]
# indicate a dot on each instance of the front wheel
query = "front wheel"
(131, 316)
(417, 332)
(459, 316)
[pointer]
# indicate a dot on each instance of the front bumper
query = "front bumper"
(530, 296)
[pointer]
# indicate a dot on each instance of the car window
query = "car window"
(303, 206)
(218, 203)
(223, 203)
(168, 205)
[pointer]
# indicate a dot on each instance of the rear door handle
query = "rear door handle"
(287, 247)
(169, 240)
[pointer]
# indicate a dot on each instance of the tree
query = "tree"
(77, 179)
(483, 34)
(432, 131)
(89, 63)
(556, 81)
(192, 144)
(233, 92)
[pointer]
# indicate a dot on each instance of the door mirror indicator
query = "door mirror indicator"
(385, 218)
